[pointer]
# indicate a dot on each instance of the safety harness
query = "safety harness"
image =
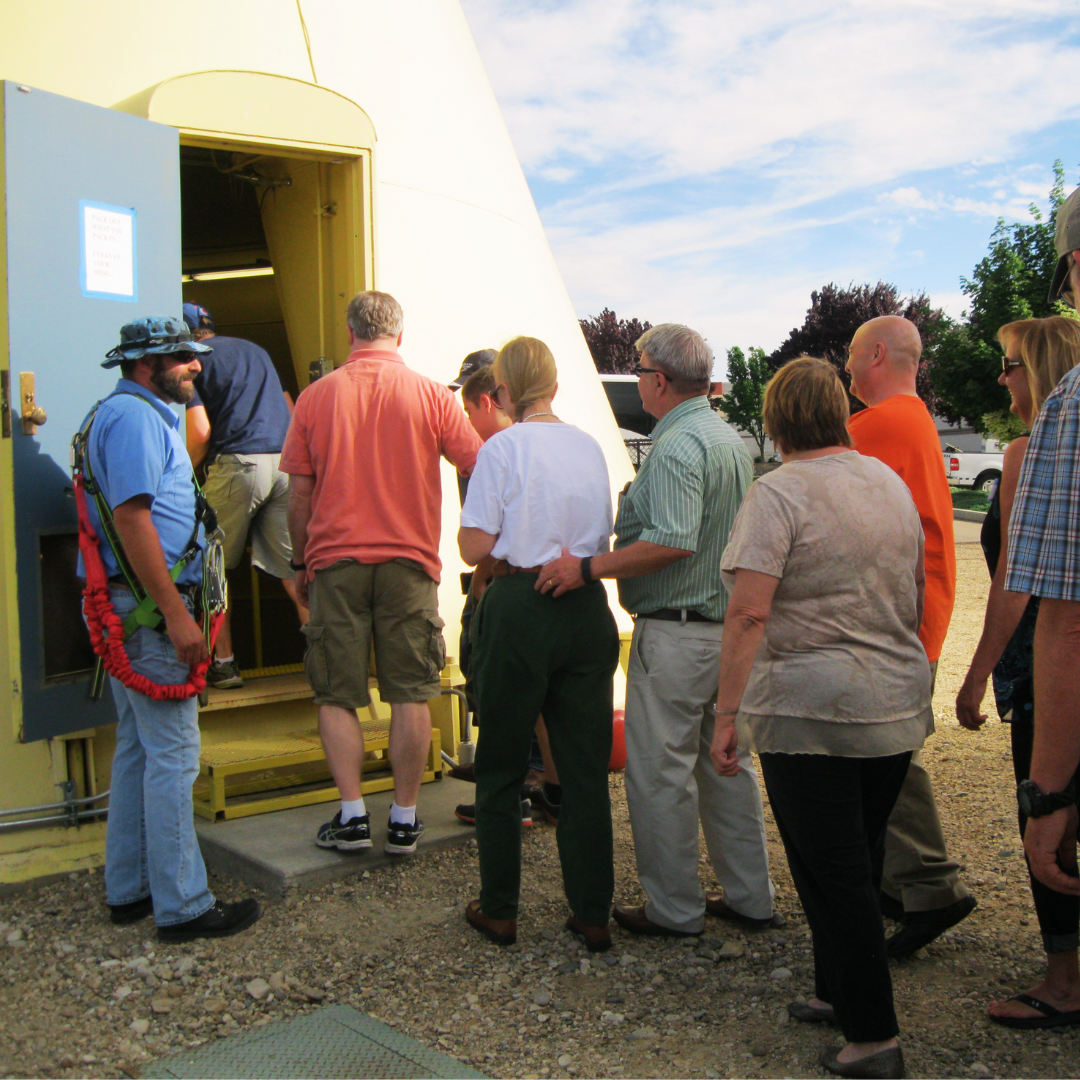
(107, 631)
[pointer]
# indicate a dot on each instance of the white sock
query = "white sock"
(224, 659)
(352, 808)
(406, 815)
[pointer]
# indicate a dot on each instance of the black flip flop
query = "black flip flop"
(1051, 1017)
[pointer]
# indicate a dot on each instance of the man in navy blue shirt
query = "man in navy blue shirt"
(238, 418)
(139, 460)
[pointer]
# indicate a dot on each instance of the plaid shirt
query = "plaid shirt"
(1044, 533)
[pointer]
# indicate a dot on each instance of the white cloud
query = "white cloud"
(714, 160)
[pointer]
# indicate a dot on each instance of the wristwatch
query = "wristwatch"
(1034, 802)
(297, 567)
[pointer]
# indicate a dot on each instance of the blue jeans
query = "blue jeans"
(150, 846)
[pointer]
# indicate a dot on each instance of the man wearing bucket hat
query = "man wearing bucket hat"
(1044, 560)
(139, 462)
(237, 420)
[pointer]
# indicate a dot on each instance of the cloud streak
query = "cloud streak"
(680, 150)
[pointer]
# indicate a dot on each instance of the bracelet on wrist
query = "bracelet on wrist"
(297, 567)
(724, 712)
(586, 569)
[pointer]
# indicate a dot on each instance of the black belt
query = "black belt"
(669, 614)
(183, 590)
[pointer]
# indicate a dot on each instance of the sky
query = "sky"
(712, 162)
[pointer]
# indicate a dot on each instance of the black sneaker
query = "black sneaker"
(401, 838)
(541, 800)
(123, 914)
(221, 920)
(355, 836)
(467, 812)
(224, 676)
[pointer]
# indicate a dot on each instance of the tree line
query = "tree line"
(961, 357)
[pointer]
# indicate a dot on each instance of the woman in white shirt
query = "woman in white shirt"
(539, 487)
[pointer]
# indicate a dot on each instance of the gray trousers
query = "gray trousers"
(671, 782)
(918, 870)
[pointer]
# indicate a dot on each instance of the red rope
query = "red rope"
(107, 629)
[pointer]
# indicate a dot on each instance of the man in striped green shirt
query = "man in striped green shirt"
(672, 526)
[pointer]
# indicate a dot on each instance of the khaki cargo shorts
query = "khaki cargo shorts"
(249, 494)
(394, 603)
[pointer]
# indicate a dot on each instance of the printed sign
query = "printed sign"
(107, 243)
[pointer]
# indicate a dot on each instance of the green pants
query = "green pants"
(533, 654)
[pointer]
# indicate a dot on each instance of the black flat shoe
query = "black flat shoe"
(807, 1014)
(123, 914)
(919, 928)
(884, 1065)
(222, 920)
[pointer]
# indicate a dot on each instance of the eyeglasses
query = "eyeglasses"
(639, 371)
(1007, 365)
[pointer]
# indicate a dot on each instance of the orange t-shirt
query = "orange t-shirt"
(900, 432)
(372, 433)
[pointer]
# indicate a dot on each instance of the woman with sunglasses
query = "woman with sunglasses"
(540, 487)
(1037, 355)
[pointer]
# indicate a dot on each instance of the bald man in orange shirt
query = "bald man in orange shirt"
(921, 885)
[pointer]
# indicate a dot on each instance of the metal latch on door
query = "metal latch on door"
(33, 415)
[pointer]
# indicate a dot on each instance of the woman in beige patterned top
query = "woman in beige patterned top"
(822, 668)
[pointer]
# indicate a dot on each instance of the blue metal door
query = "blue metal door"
(92, 241)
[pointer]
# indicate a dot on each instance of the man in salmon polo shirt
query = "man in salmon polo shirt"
(921, 886)
(365, 506)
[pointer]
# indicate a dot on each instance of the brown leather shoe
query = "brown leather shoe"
(501, 931)
(636, 921)
(715, 906)
(596, 938)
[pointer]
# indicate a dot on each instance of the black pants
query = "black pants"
(1058, 913)
(832, 813)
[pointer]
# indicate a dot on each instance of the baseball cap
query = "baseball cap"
(471, 364)
(197, 317)
(1066, 240)
(153, 334)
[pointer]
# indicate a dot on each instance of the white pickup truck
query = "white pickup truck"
(977, 471)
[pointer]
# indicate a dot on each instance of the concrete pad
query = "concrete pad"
(277, 851)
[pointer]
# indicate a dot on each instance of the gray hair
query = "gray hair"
(683, 355)
(374, 315)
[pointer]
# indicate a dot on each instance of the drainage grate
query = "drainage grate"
(333, 1042)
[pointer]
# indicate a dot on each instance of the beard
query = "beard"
(175, 385)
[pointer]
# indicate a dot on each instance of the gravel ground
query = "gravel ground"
(79, 997)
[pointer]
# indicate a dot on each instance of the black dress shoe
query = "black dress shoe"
(884, 1065)
(921, 927)
(123, 914)
(221, 920)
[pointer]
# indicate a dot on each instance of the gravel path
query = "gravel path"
(79, 997)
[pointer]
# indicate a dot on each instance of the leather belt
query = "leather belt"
(501, 568)
(121, 583)
(677, 615)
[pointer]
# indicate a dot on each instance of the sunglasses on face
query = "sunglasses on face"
(1007, 365)
(639, 371)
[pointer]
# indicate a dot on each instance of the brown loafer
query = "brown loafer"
(596, 938)
(715, 906)
(636, 921)
(501, 931)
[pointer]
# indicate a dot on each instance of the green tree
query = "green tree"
(611, 341)
(1003, 426)
(1009, 283)
(747, 376)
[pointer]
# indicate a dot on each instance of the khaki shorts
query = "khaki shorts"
(248, 493)
(395, 603)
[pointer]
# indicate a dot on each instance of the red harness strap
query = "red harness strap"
(107, 629)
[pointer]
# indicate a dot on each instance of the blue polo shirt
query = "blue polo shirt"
(243, 398)
(136, 449)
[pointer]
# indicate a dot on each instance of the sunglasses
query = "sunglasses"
(1007, 365)
(639, 371)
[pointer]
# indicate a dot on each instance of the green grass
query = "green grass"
(966, 499)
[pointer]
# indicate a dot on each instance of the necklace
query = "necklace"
(533, 416)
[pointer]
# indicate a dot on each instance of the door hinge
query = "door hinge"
(5, 404)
